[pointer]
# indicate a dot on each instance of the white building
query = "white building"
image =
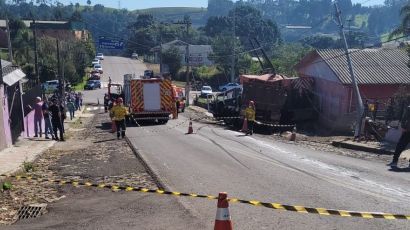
(198, 54)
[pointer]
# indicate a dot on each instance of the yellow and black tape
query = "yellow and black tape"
(284, 207)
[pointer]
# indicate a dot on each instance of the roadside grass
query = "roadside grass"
(80, 86)
(181, 84)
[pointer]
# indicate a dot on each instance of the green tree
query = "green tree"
(404, 27)
(286, 56)
(172, 57)
(222, 47)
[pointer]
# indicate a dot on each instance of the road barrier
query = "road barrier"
(284, 207)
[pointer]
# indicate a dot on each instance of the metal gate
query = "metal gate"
(15, 111)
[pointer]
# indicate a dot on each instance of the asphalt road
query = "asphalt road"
(253, 168)
(114, 67)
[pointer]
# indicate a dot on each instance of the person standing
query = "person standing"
(404, 138)
(48, 128)
(56, 119)
(71, 109)
(250, 117)
(119, 111)
(77, 102)
(38, 117)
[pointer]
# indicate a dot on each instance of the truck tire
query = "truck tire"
(162, 122)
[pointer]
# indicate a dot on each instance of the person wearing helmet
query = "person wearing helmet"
(250, 117)
(119, 111)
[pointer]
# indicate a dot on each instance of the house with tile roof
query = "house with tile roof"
(379, 73)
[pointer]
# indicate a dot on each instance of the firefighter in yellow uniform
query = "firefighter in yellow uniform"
(250, 117)
(119, 111)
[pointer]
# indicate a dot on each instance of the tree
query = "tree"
(222, 47)
(172, 57)
(286, 56)
(248, 23)
(404, 27)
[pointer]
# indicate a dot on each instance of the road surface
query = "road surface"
(114, 67)
(216, 159)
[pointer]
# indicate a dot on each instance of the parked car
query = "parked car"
(229, 86)
(98, 68)
(134, 56)
(93, 84)
(95, 76)
(206, 90)
(100, 56)
(95, 62)
(50, 86)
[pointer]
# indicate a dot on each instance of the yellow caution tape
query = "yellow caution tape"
(292, 208)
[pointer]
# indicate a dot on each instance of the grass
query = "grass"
(206, 72)
(28, 166)
(172, 10)
(360, 18)
(181, 84)
(80, 86)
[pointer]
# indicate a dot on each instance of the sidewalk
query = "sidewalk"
(28, 149)
(372, 147)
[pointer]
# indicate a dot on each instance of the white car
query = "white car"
(100, 56)
(206, 90)
(50, 86)
(96, 62)
(229, 86)
(99, 68)
(134, 56)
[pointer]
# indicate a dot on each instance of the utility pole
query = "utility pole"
(60, 80)
(1, 73)
(9, 40)
(233, 46)
(359, 107)
(187, 24)
(35, 51)
(160, 49)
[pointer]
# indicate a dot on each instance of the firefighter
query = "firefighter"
(250, 117)
(119, 111)
(404, 139)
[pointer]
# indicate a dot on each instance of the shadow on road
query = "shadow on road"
(397, 169)
(104, 126)
(112, 139)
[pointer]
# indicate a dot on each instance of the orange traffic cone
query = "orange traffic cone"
(292, 136)
(245, 125)
(223, 218)
(190, 129)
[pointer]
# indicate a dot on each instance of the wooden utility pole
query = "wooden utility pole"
(9, 40)
(60, 80)
(35, 51)
(359, 107)
(187, 24)
(1, 73)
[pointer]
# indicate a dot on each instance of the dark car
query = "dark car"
(93, 84)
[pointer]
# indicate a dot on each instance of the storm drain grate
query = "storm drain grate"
(31, 211)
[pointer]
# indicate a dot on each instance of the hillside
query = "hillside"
(177, 13)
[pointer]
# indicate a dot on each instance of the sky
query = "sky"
(143, 4)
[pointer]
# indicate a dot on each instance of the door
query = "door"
(152, 97)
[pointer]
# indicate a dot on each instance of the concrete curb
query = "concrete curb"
(161, 185)
(342, 144)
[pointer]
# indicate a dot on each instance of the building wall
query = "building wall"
(5, 132)
(336, 102)
(64, 34)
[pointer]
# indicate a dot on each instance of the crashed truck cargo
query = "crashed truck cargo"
(279, 98)
(150, 99)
